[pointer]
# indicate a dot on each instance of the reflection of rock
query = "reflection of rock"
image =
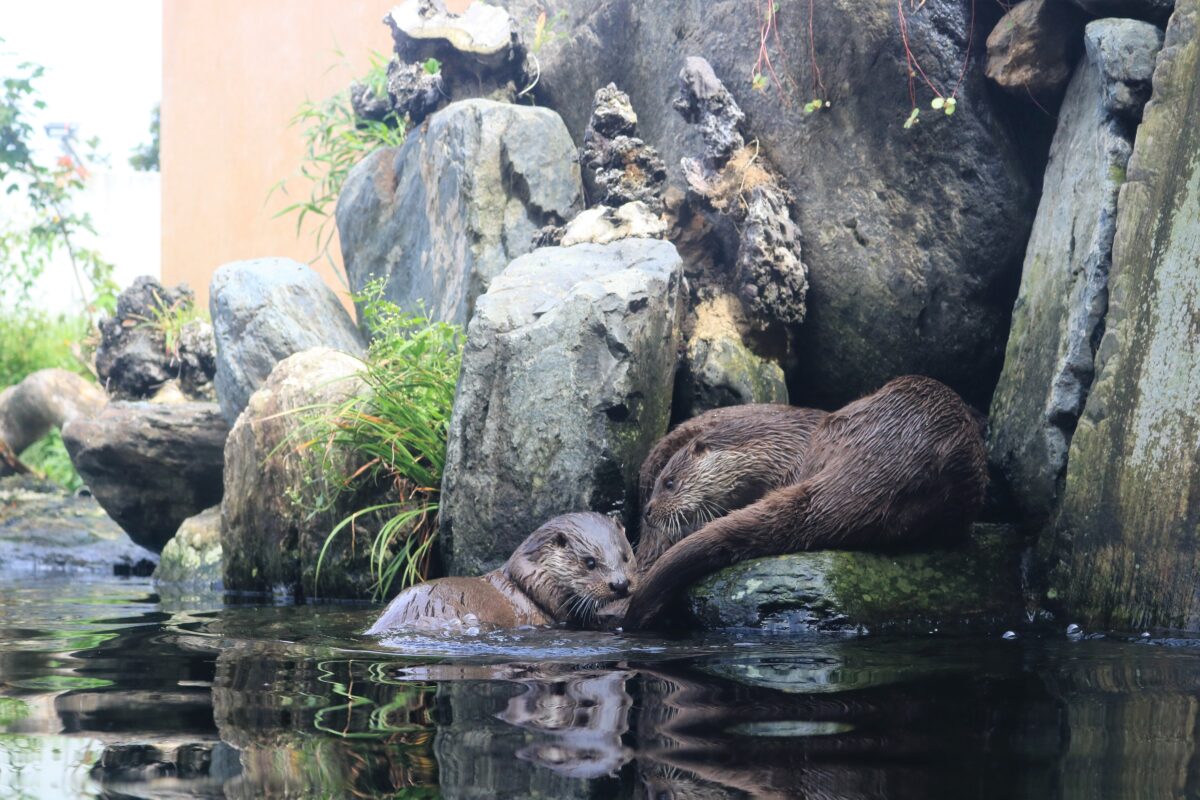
(150, 465)
(197, 769)
(1033, 48)
(192, 559)
(566, 384)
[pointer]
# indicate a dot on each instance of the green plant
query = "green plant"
(31, 340)
(170, 320)
(335, 139)
(48, 457)
(432, 66)
(145, 156)
(398, 428)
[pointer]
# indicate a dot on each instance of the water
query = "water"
(107, 692)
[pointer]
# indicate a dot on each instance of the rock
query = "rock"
(705, 102)
(840, 590)
(1033, 48)
(565, 385)
(264, 311)
(910, 270)
(192, 558)
(1124, 552)
(367, 104)
(618, 167)
(278, 507)
(150, 465)
(413, 91)
(135, 357)
(440, 216)
(604, 224)
(719, 369)
(1124, 51)
(1059, 313)
(1156, 11)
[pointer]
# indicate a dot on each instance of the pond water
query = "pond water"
(108, 691)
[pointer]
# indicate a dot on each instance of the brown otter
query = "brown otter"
(563, 572)
(903, 462)
(720, 461)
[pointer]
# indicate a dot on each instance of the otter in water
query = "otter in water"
(718, 462)
(905, 462)
(565, 571)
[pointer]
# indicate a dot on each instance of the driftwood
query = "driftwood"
(46, 399)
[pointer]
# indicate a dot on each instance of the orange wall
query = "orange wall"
(234, 73)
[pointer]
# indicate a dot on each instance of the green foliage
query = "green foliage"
(335, 140)
(32, 340)
(398, 427)
(145, 156)
(48, 456)
(432, 66)
(170, 320)
(545, 30)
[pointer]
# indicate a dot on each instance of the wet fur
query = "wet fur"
(903, 463)
(546, 581)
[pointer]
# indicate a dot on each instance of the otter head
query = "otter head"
(693, 489)
(574, 565)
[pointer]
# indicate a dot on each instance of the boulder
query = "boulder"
(192, 559)
(280, 504)
(264, 311)
(839, 590)
(138, 353)
(150, 465)
(565, 385)
(1033, 48)
(1125, 552)
(437, 218)
(913, 237)
(1060, 308)
(1156, 11)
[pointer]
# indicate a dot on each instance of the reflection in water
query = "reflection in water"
(105, 693)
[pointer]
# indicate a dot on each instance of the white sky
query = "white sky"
(103, 61)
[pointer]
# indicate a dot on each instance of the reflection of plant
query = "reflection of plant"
(336, 139)
(339, 720)
(12, 709)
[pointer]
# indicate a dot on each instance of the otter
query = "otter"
(564, 572)
(718, 462)
(905, 462)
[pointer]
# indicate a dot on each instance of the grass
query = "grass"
(170, 320)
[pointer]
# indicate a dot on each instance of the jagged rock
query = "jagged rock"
(278, 508)
(704, 101)
(192, 559)
(839, 590)
(46, 399)
(367, 104)
(1124, 50)
(565, 385)
(1124, 552)
(618, 167)
(605, 224)
(1156, 11)
(440, 216)
(1060, 309)
(265, 310)
(150, 465)
(414, 92)
(1033, 48)
(912, 268)
(134, 357)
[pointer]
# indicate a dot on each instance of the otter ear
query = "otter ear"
(560, 539)
(699, 447)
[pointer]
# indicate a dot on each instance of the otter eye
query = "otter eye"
(669, 483)
(589, 562)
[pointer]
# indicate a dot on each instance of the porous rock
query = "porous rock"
(618, 167)
(565, 386)
(150, 465)
(265, 310)
(1033, 48)
(437, 218)
(192, 559)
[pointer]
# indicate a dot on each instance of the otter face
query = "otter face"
(691, 490)
(576, 564)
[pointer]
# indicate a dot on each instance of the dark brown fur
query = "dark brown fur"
(722, 460)
(547, 580)
(905, 462)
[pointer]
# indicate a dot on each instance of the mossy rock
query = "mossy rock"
(973, 584)
(192, 559)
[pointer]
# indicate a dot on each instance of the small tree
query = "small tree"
(145, 156)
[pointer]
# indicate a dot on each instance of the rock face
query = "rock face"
(565, 385)
(837, 590)
(1126, 537)
(1059, 314)
(192, 559)
(150, 465)
(264, 311)
(1155, 11)
(275, 515)
(1033, 48)
(134, 358)
(912, 267)
(440, 216)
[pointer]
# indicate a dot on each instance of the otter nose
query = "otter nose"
(619, 585)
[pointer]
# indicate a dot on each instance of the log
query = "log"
(46, 399)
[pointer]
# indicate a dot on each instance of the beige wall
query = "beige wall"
(234, 73)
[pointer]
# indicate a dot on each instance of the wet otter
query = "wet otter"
(901, 463)
(718, 462)
(563, 572)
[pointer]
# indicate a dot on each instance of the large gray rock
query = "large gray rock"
(912, 238)
(443, 214)
(150, 465)
(1059, 313)
(264, 311)
(281, 499)
(565, 385)
(1126, 536)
